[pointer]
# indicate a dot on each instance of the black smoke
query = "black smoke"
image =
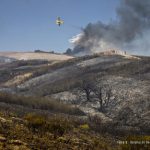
(131, 31)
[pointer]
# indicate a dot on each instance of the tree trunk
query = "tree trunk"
(87, 95)
(101, 106)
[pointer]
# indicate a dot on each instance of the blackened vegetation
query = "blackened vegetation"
(39, 103)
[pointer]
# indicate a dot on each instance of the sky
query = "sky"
(28, 25)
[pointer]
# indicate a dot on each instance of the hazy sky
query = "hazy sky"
(30, 24)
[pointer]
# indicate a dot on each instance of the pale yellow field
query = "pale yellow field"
(32, 55)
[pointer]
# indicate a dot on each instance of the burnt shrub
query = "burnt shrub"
(35, 121)
(56, 125)
(59, 126)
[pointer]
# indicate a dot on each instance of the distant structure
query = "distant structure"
(113, 52)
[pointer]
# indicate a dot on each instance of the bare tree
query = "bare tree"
(99, 90)
(87, 87)
(102, 92)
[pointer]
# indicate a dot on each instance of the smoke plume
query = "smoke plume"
(131, 31)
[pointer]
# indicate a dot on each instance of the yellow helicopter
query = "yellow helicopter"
(59, 21)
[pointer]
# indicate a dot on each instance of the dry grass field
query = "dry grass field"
(32, 55)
